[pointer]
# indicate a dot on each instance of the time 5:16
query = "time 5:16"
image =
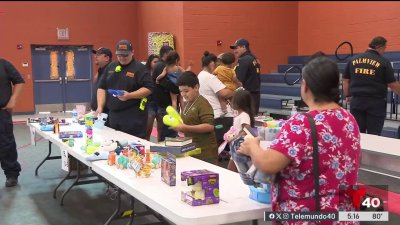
(353, 216)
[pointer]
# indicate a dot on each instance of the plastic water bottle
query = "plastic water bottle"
(74, 116)
(294, 111)
(71, 141)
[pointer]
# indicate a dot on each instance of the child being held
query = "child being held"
(173, 71)
(226, 74)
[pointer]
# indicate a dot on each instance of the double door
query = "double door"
(62, 76)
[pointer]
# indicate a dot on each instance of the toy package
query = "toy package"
(101, 120)
(168, 169)
(67, 134)
(89, 128)
(203, 187)
(270, 128)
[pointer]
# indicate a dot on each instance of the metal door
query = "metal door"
(62, 76)
(78, 86)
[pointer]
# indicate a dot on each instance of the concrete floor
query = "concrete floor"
(31, 202)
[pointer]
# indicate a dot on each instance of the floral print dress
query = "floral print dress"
(339, 160)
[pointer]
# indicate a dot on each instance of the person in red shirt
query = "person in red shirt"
(291, 153)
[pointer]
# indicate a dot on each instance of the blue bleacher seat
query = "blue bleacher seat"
(275, 92)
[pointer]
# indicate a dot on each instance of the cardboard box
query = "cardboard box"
(168, 169)
(204, 185)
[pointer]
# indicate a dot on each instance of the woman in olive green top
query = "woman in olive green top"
(198, 118)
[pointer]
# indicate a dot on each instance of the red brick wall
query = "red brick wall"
(160, 17)
(270, 27)
(26, 23)
(324, 25)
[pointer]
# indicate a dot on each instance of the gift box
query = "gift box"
(203, 187)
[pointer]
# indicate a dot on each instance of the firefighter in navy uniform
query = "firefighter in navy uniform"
(9, 76)
(128, 113)
(248, 70)
(365, 82)
(103, 57)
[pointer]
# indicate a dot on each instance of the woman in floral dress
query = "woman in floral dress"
(291, 153)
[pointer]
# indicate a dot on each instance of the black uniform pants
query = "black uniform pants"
(221, 126)
(256, 101)
(132, 121)
(370, 114)
(8, 147)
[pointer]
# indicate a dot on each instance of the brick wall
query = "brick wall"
(270, 27)
(324, 25)
(26, 23)
(160, 17)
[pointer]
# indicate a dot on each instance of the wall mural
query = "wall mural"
(158, 39)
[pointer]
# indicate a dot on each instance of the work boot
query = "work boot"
(11, 181)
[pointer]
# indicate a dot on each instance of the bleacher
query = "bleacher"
(277, 97)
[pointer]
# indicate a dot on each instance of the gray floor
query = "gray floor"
(31, 202)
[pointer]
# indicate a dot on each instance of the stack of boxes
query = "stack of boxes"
(89, 128)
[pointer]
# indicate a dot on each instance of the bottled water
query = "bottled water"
(74, 116)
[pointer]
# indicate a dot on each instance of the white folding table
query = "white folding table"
(235, 204)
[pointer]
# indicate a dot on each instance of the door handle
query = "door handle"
(66, 80)
(60, 78)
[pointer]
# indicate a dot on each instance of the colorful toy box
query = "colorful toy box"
(89, 128)
(270, 129)
(204, 185)
(168, 169)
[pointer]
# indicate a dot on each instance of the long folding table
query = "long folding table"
(235, 204)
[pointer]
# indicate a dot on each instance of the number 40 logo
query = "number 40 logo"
(364, 202)
(371, 202)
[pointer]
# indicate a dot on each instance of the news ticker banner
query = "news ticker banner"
(326, 216)
(368, 201)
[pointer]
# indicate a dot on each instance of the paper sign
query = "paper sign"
(64, 160)
(33, 136)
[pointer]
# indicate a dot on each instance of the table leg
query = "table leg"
(78, 176)
(132, 204)
(62, 181)
(48, 157)
(255, 222)
(77, 181)
(116, 211)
